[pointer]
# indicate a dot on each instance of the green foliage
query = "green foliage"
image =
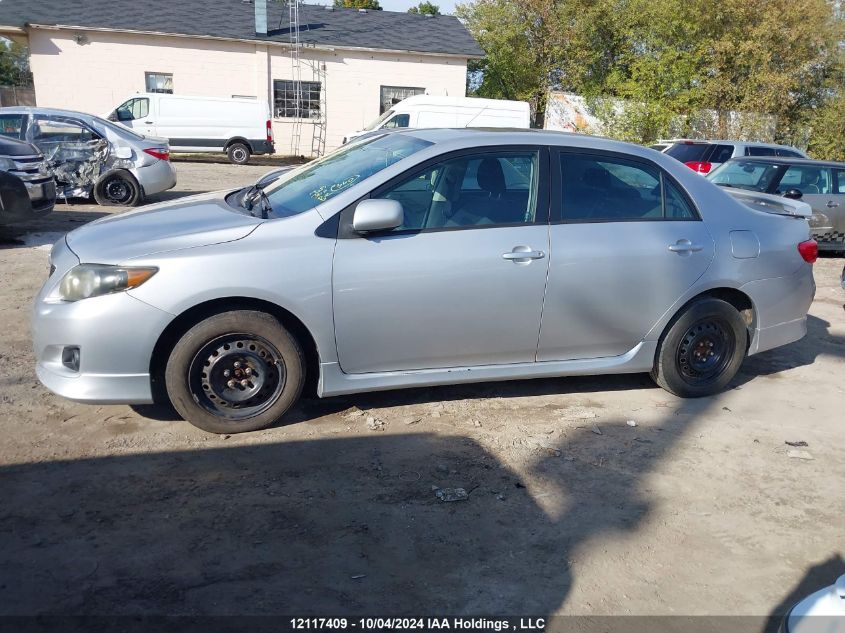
(651, 67)
(425, 8)
(14, 65)
(358, 4)
(827, 140)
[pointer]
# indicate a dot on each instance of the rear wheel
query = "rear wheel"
(118, 189)
(702, 349)
(238, 153)
(234, 372)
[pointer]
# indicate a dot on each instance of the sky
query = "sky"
(446, 6)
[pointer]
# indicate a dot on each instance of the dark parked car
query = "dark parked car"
(26, 190)
(821, 184)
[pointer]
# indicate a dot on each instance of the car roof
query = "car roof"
(783, 160)
(702, 141)
(517, 136)
(47, 111)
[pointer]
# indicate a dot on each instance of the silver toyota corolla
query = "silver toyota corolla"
(423, 257)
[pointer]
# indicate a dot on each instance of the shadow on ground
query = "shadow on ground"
(329, 526)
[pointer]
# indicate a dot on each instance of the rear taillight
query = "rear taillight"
(269, 130)
(809, 251)
(162, 153)
(702, 167)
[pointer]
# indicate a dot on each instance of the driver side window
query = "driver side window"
(492, 189)
(134, 109)
(400, 120)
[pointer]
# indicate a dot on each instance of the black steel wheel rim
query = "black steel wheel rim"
(118, 190)
(237, 376)
(705, 350)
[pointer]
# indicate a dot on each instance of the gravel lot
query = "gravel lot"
(697, 509)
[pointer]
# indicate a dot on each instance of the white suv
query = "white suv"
(703, 156)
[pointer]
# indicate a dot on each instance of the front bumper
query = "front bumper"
(155, 178)
(115, 335)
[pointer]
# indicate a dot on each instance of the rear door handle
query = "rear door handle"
(685, 246)
(832, 205)
(523, 254)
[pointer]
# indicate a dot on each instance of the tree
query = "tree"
(649, 66)
(14, 64)
(425, 8)
(519, 55)
(827, 139)
(358, 4)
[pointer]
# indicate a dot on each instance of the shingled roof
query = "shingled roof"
(234, 19)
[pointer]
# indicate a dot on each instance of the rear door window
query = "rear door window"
(721, 153)
(597, 188)
(687, 152)
(840, 180)
(759, 151)
(807, 179)
(788, 153)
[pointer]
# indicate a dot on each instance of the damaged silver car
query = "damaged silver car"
(91, 157)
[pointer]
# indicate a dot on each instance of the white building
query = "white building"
(92, 55)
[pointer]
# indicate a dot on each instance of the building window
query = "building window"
(287, 104)
(160, 82)
(391, 95)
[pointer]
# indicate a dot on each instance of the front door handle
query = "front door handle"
(832, 205)
(685, 246)
(523, 255)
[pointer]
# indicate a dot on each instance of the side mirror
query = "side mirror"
(112, 117)
(377, 215)
(793, 194)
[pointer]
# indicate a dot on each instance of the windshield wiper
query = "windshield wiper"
(257, 191)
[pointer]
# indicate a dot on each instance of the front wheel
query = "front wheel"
(234, 372)
(702, 349)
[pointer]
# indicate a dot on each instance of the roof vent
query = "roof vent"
(261, 17)
(329, 7)
(362, 11)
(428, 15)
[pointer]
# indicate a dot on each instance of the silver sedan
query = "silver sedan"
(417, 258)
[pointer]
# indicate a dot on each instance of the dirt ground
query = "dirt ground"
(696, 509)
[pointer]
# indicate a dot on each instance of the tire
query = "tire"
(203, 372)
(238, 153)
(701, 350)
(118, 189)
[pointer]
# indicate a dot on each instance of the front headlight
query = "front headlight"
(92, 280)
(6, 164)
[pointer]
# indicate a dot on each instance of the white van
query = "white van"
(421, 111)
(239, 127)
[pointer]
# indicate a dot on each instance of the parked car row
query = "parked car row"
(85, 156)
(704, 156)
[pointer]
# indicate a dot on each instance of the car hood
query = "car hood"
(195, 221)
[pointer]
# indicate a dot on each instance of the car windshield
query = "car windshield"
(312, 184)
(378, 121)
(751, 175)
